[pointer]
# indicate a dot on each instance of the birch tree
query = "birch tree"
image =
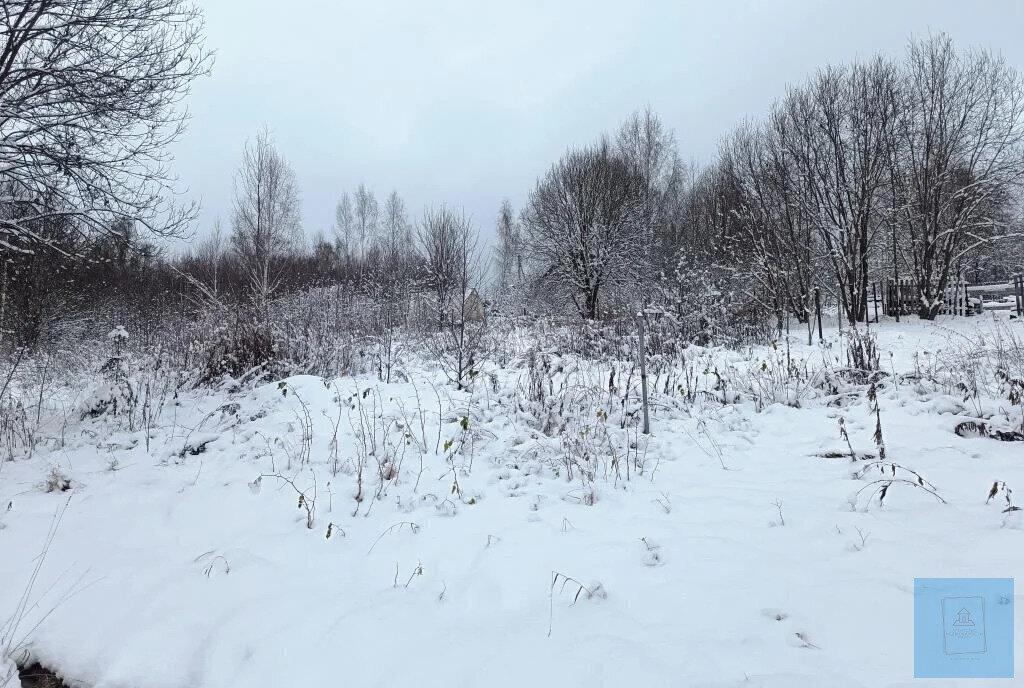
(396, 238)
(266, 224)
(365, 213)
(344, 227)
(509, 253)
(649, 147)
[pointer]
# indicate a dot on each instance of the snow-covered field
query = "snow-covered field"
(354, 533)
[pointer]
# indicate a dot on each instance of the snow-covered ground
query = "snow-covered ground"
(522, 533)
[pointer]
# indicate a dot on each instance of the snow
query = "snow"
(8, 674)
(730, 556)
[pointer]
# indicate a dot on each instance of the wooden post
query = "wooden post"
(643, 372)
(1016, 293)
(810, 321)
(896, 275)
(898, 298)
(874, 298)
(789, 365)
(817, 310)
(778, 314)
(864, 300)
(955, 293)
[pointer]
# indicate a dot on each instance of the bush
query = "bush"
(246, 347)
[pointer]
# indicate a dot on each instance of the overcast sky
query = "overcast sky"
(468, 102)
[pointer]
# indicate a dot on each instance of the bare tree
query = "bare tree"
(585, 225)
(509, 254)
(958, 156)
(365, 213)
(387, 276)
(397, 236)
(843, 124)
(773, 230)
(442, 238)
(649, 147)
(90, 96)
(266, 222)
(344, 227)
(880, 164)
(210, 253)
(450, 250)
(465, 326)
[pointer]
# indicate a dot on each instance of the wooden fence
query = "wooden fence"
(902, 298)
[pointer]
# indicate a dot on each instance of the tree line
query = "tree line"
(905, 168)
(882, 168)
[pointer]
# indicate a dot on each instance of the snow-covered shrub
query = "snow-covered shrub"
(118, 338)
(324, 331)
(774, 378)
(116, 393)
(586, 416)
(505, 338)
(244, 346)
(15, 429)
(705, 304)
(330, 331)
(587, 339)
(30, 396)
(457, 350)
(984, 370)
(862, 352)
(56, 481)
(539, 382)
(134, 386)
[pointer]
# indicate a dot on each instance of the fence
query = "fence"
(902, 297)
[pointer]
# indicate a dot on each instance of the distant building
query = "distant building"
(475, 308)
